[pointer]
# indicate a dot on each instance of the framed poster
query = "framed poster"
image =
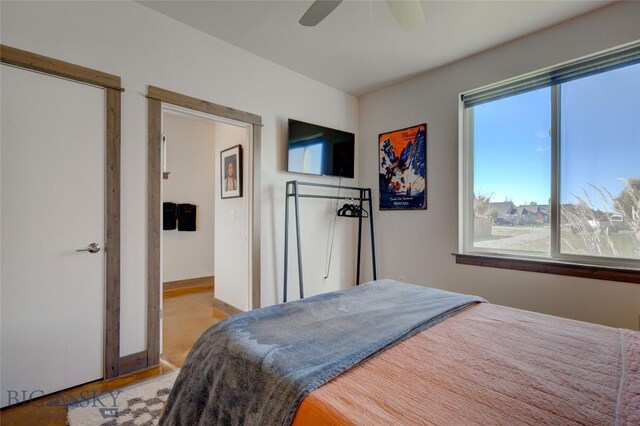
(402, 156)
(231, 172)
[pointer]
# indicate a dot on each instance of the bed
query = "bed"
(483, 364)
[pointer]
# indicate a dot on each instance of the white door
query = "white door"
(52, 203)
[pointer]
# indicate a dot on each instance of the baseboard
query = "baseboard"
(133, 362)
(188, 283)
(226, 308)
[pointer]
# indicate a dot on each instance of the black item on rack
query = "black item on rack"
(187, 217)
(352, 210)
(169, 216)
(348, 210)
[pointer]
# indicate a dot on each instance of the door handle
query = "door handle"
(91, 248)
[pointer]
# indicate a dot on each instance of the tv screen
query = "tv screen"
(319, 150)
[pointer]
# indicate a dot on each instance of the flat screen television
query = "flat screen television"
(318, 150)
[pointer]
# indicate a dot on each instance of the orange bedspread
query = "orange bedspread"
(490, 365)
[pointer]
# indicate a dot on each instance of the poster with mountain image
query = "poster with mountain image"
(403, 168)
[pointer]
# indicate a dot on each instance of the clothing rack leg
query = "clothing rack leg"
(373, 241)
(359, 240)
(286, 242)
(297, 206)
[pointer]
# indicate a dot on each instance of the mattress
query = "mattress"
(490, 365)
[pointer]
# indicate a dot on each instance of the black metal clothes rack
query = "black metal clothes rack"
(293, 190)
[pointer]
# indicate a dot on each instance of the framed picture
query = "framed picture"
(402, 156)
(231, 172)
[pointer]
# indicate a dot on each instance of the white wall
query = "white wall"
(145, 47)
(232, 216)
(191, 160)
(419, 244)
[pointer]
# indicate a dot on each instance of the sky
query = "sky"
(600, 140)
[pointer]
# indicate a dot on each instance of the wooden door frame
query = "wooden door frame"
(113, 89)
(156, 96)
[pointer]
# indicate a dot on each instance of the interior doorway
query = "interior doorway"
(249, 240)
(205, 225)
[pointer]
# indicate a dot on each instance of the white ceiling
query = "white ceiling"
(360, 47)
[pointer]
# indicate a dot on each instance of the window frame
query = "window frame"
(620, 269)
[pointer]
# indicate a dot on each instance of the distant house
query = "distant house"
(505, 213)
(531, 214)
(526, 215)
(503, 209)
(586, 211)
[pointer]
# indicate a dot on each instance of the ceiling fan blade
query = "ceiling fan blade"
(408, 13)
(319, 10)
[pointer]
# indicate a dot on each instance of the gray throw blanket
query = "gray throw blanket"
(256, 368)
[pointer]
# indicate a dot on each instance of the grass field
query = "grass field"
(537, 240)
(621, 244)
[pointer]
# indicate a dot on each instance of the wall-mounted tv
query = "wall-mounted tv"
(318, 150)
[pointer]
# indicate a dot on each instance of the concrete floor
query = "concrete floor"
(186, 315)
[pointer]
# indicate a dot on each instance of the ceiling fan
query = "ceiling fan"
(408, 13)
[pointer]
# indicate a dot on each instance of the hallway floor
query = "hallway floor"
(187, 314)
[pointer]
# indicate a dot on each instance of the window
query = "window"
(551, 164)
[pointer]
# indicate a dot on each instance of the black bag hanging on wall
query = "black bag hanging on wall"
(186, 217)
(169, 216)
